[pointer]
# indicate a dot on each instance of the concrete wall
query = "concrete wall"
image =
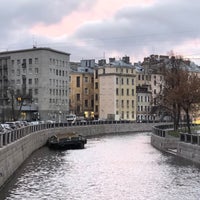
(189, 151)
(14, 154)
(187, 146)
(164, 143)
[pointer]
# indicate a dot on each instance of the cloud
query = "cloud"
(135, 29)
(88, 28)
(18, 17)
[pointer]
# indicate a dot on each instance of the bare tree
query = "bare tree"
(181, 90)
(189, 92)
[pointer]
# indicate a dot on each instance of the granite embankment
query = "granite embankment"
(16, 147)
(187, 146)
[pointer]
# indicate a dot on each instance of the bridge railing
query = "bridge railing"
(11, 136)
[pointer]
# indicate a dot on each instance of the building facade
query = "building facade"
(38, 79)
(82, 92)
(117, 91)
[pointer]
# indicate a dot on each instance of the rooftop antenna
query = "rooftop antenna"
(34, 42)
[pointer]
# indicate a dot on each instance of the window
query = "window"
(116, 80)
(132, 114)
(18, 72)
(132, 92)
(13, 62)
(127, 92)
(117, 91)
(86, 90)
(78, 97)
(86, 103)
(30, 81)
(96, 97)
(122, 81)
(96, 74)
(132, 103)
(122, 103)
(37, 81)
(36, 60)
(36, 91)
(36, 70)
(30, 61)
(122, 92)
(96, 85)
(30, 70)
(30, 91)
(86, 79)
(122, 114)
(132, 81)
(127, 103)
(127, 81)
(127, 115)
(96, 108)
(78, 81)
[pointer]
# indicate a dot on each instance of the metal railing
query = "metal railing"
(193, 138)
(8, 137)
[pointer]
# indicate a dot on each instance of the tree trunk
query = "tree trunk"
(188, 120)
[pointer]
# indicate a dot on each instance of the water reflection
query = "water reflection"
(114, 167)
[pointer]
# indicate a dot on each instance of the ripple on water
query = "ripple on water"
(124, 167)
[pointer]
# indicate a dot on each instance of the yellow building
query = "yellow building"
(82, 93)
(117, 91)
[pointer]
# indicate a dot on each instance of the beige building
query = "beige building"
(82, 92)
(117, 91)
(38, 78)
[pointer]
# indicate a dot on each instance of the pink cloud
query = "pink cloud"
(100, 11)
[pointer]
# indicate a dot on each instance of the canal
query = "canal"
(114, 167)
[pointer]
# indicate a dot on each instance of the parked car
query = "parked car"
(6, 127)
(12, 125)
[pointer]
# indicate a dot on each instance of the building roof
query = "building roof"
(33, 49)
(120, 63)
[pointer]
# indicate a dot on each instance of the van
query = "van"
(71, 118)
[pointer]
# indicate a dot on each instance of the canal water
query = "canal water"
(115, 167)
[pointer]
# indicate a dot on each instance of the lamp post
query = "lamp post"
(59, 116)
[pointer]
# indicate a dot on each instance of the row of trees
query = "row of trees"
(180, 91)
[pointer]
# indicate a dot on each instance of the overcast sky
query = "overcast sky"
(103, 28)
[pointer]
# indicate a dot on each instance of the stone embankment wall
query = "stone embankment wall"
(187, 146)
(15, 153)
(164, 143)
(189, 151)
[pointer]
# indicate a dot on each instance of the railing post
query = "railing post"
(6, 138)
(1, 140)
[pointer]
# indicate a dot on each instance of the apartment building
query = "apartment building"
(117, 90)
(37, 79)
(82, 90)
(144, 104)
